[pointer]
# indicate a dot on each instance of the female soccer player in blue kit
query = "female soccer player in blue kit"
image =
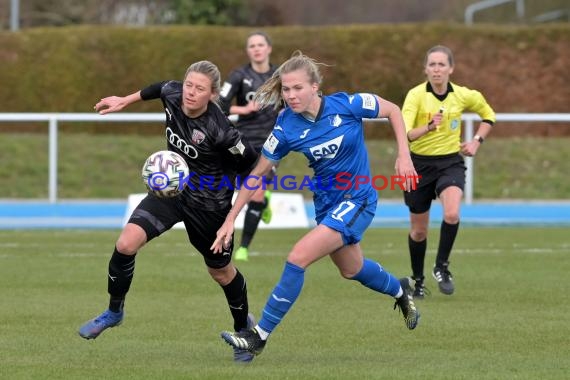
(328, 130)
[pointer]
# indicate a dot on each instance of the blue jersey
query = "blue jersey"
(333, 144)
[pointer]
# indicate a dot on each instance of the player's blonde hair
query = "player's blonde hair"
(211, 71)
(270, 92)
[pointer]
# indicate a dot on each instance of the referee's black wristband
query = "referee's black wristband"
(479, 138)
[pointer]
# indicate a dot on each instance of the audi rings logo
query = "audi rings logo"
(249, 96)
(175, 140)
(158, 181)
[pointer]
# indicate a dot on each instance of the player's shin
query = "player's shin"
(283, 297)
(236, 295)
(121, 272)
(373, 276)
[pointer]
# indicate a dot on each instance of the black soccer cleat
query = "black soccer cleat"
(406, 305)
(444, 280)
(248, 340)
(420, 290)
(241, 355)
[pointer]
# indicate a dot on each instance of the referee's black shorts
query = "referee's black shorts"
(157, 215)
(437, 173)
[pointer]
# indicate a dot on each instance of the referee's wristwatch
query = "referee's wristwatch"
(479, 138)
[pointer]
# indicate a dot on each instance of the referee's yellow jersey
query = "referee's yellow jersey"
(422, 103)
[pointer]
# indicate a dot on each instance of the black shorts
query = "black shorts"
(437, 173)
(157, 215)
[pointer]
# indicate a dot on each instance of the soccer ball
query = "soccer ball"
(164, 172)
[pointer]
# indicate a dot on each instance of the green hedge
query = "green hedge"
(519, 69)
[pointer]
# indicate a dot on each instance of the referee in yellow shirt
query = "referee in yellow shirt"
(432, 113)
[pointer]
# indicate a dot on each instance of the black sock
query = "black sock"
(121, 271)
(236, 295)
(446, 240)
(251, 220)
(417, 256)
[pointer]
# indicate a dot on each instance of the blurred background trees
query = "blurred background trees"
(34, 13)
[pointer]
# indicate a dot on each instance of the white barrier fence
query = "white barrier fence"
(288, 211)
(54, 118)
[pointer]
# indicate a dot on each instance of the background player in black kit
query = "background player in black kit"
(198, 130)
(256, 124)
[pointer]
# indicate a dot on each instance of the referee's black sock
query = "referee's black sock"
(251, 221)
(236, 295)
(417, 256)
(121, 271)
(446, 240)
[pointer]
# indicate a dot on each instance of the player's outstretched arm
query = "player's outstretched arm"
(250, 185)
(404, 166)
(116, 103)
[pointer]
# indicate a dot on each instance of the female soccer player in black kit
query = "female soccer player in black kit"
(197, 129)
(256, 124)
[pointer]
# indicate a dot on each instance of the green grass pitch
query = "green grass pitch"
(509, 317)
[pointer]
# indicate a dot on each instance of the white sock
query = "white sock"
(262, 333)
(400, 293)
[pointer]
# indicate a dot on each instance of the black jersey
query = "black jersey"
(210, 144)
(242, 84)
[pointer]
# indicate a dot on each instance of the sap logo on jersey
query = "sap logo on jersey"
(327, 149)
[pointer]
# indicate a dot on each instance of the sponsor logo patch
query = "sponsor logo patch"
(368, 102)
(271, 143)
(327, 149)
(238, 149)
(225, 89)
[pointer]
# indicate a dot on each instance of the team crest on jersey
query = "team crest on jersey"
(198, 137)
(454, 124)
(335, 121)
(327, 149)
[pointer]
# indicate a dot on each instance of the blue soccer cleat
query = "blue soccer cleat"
(96, 326)
(242, 355)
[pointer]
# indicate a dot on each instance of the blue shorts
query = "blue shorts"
(350, 218)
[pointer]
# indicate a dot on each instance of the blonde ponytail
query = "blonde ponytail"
(270, 92)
